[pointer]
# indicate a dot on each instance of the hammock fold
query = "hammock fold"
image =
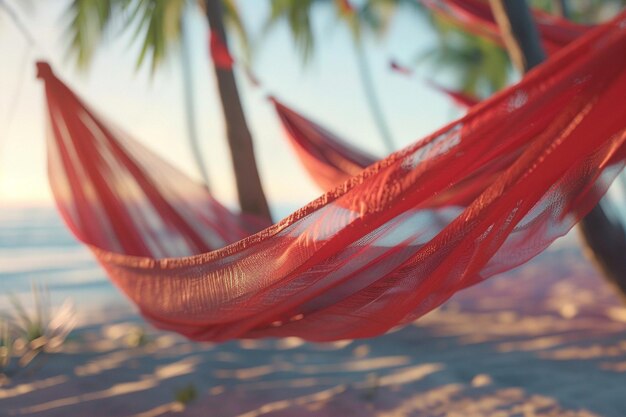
(480, 196)
(327, 158)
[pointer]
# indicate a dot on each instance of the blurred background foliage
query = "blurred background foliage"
(480, 66)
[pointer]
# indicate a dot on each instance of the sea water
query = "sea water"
(36, 249)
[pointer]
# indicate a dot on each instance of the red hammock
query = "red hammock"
(328, 159)
(103, 189)
(475, 17)
(381, 250)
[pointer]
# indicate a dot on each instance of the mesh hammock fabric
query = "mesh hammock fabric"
(327, 158)
(330, 161)
(382, 249)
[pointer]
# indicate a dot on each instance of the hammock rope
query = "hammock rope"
(480, 196)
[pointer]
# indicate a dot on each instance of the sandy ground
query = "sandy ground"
(548, 339)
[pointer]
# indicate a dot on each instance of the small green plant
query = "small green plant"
(6, 346)
(136, 337)
(186, 395)
(39, 331)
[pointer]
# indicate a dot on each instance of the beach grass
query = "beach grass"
(28, 333)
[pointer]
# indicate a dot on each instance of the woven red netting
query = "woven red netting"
(480, 196)
(328, 159)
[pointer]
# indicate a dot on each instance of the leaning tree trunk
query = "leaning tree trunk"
(606, 241)
(249, 189)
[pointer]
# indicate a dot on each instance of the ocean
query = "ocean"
(37, 249)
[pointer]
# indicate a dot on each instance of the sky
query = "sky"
(151, 108)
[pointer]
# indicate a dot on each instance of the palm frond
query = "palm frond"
(232, 19)
(297, 14)
(88, 21)
(481, 67)
(156, 24)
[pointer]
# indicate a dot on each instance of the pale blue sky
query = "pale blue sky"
(327, 90)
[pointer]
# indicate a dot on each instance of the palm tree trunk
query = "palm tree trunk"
(606, 240)
(519, 32)
(372, 98)
(249, 188)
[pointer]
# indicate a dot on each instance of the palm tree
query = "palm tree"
(250, 191)
(481, 66)
(158, 25)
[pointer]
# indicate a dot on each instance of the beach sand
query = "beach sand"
(547, 339)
